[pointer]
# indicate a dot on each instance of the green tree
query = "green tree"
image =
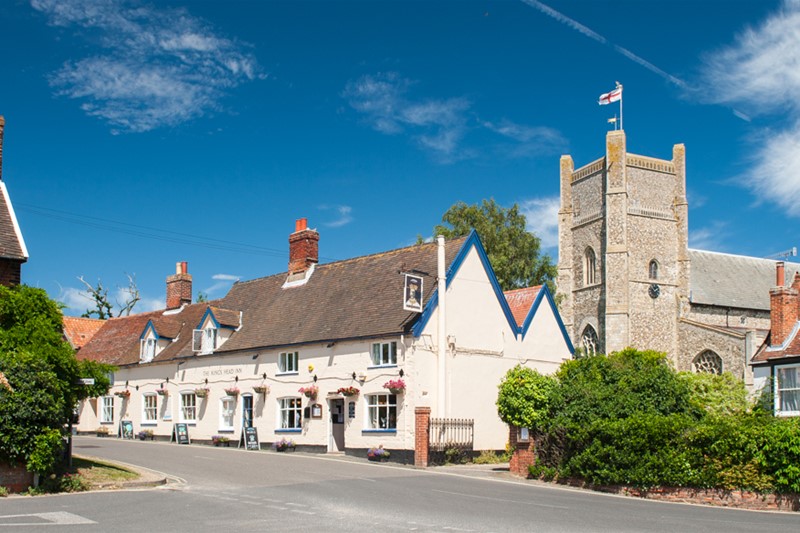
(524, 397)
(513, 251)
(41, 374)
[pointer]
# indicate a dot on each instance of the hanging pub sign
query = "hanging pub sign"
(412, 293)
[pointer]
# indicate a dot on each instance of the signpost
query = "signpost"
(126, 429)
(180, 433)
(250, 438)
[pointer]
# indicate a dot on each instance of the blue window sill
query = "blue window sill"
(287, 373)
(382, 366)
(149, 423)
(290, 430)
(379, 431)
(229, 430)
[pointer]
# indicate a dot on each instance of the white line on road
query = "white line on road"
(501, 499)
(52, 519)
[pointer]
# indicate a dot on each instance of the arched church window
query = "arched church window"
(707, 362)
(589, 341)
(653, 269)
(589, 267)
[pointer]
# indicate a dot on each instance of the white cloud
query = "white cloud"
(439, 125)
(542, 217)
(758, 73)
(75, 299)
(155, 66)
(344, 212)
(223, 282)
(78, 301)
(709, 238)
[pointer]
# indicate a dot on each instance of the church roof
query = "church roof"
(727, 280)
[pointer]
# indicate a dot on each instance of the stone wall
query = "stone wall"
(696, 338)
(15, 478)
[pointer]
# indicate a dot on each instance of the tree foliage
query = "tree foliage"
(42, 375)
(524, 397)
(513, 251)
(103, 308)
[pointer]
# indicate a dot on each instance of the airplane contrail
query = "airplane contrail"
(588, 32)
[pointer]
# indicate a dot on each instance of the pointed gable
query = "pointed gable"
(79, 330)
(520, 301)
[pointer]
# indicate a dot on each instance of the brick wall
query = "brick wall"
(523, 453)
(15, 478)
(422, 418)
(10, 272)
(723, 498)
(179, 287)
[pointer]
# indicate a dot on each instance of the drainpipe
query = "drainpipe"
(441, 393)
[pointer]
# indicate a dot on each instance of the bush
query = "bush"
(525, 396)
(723, 394)
(778, 452)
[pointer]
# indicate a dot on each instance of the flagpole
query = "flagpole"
(621, 123)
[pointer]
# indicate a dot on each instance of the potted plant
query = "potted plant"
(102, 431)
(201, 392)
(348, 391)
(123, 393)
(162, 391)
(145, 434)
(395, 386)
(232, 391)
(284, 445)
(261, 389)
(221, 440)
(310, 392)
(378, 454)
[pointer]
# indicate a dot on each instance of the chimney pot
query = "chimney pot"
(300, 224)
(780, 276)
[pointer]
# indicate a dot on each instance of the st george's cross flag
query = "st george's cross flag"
(613, 96)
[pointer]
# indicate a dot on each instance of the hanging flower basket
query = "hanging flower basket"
(201, 392)
(162, 392)
(395, 386)
(310, 392)
(348, 391)
(123, 393)
(261, 389)
(233, 391)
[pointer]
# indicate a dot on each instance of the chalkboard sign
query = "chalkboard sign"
(180, 433)
(126, 429)
(250, 436)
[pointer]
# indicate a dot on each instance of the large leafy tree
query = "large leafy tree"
(513, 251)
(39, 387)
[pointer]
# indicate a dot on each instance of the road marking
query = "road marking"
(46, 519)
(302, 512)
(501, 499)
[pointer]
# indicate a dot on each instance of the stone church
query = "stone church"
(628, 278)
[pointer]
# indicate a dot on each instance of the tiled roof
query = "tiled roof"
(789, 350)
(12, 246)
(738, 281)
(355, 298)
(79, 330)
(117, 342)
(520, 302)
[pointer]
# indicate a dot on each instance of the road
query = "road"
(233, 490)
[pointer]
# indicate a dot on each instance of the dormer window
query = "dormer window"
(148, 349)
(204, 341)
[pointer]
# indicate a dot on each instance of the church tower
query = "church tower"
(623, 265)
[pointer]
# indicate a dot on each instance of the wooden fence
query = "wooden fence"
(451, 439)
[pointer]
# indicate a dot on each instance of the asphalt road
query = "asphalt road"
(233, 490)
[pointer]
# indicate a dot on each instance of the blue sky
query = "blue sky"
(140, 134)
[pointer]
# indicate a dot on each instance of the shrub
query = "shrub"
(778, 452)
(3, 492)
(723, 394)
(524, 398)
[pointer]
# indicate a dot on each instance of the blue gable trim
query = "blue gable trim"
(544, 294)
(208, 313)
(473, 241)
(150, 326)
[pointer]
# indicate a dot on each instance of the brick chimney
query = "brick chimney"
(303, 247)
(784, 307)
(179, 287)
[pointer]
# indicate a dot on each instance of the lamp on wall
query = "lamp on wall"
(354, 374)
(315, 378)
(264, 375)
(402, 373)
(236, 379)
(206, 381)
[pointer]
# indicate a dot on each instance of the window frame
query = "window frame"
(377, 358)
(148, 349)
(589, 267)
(778, 390)
(146, 421)
(182, 411)
(286, 406)
(288, 357)
(373, 406)
(201, 338)
(223, 425)
(652, 270)
(106, 407)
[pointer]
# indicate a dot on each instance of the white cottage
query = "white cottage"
(325, 355)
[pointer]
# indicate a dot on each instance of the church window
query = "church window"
(589, 342)
(653, 269)
(707, 362)
(589, 267)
